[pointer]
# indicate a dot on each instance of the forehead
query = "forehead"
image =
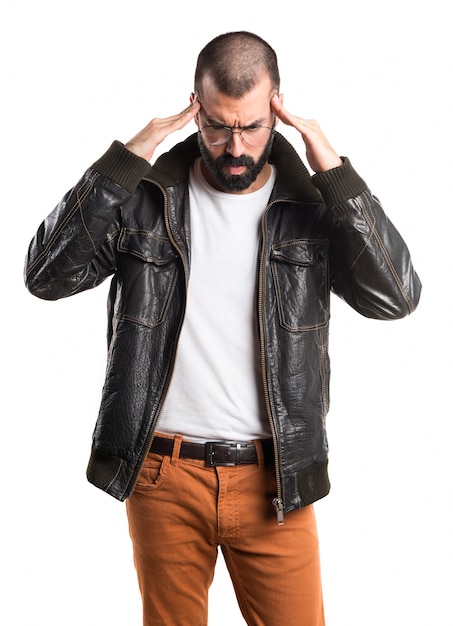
(240, 111)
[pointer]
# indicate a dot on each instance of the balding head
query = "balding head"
(235, 63)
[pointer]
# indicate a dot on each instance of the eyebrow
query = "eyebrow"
(213, 122)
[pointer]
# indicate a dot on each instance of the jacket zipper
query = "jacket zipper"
(278, 500)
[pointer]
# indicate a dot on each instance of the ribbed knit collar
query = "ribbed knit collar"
(293, 178)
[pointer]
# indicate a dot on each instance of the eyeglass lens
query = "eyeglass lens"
(256, 136)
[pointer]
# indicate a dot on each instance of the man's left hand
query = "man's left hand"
(320, 154)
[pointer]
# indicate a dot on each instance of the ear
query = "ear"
(194, 98)
(280, 100)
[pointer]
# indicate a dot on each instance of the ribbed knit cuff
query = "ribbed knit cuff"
(339, 184)
(122, 166)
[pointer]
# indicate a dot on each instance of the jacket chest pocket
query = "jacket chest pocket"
(301, 280)
(147, 275)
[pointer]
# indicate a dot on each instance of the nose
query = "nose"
(235, 145)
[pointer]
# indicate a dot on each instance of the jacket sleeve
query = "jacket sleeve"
(74, 248)
(371, 267)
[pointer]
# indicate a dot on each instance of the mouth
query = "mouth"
(236, 170)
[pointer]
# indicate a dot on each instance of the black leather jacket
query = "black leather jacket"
(129, 220)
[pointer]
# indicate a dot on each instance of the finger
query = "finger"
(183, 118)
(193, 108)
(276, 105)
(285, 116)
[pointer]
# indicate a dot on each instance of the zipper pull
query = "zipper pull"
(277, 502)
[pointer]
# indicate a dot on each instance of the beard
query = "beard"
(234, 182)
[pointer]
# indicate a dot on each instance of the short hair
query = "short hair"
(236, 61)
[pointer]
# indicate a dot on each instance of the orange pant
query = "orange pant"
(181, 511)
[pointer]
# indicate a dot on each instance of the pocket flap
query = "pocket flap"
(147, 246)
(304, 253)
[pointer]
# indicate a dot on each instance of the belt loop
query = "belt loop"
(259, 453)
(176, 449)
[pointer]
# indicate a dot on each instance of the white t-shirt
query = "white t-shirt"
(216, 392)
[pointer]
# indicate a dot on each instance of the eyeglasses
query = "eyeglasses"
(254, 136)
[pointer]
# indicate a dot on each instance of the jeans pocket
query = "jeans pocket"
(153, 473)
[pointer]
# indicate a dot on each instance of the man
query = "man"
(223, 255)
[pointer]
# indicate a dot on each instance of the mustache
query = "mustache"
(231, 161)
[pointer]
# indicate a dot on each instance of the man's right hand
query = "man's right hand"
(147, 140)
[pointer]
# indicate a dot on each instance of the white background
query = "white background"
(378, 77)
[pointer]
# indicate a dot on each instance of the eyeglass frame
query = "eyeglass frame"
(238, 131)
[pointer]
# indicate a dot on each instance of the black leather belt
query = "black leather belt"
(215, 453)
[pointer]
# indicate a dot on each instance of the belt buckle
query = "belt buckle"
(209, 454)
